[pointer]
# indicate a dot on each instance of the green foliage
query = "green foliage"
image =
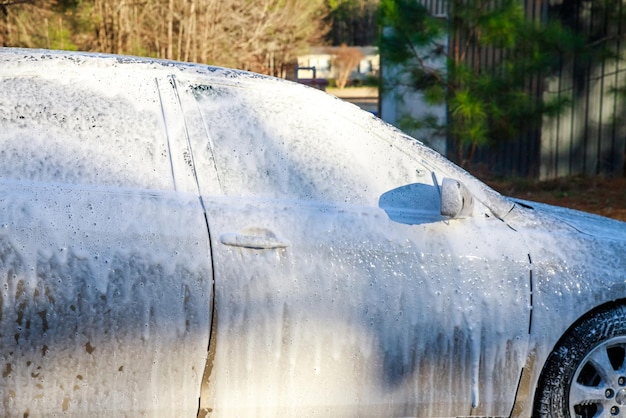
(486, 101)
(371, 81)
(352, 22)
(65, 5)
(407, 27)
(60, 37)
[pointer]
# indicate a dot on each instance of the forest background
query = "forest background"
(261, 35)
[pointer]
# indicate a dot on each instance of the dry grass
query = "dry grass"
(602, 196)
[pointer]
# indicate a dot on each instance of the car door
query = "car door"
(339, 288)
(105, 277)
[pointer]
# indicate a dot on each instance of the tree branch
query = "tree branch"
(5, 4)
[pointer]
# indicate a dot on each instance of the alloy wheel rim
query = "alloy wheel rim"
(598, 388)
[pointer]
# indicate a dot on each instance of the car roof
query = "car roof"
(40, 62)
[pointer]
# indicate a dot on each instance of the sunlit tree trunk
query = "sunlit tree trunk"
(189, 44)
(170, 29)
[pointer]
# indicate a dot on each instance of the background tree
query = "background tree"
(273, 32)
(259, 35)
(33, 23)
(352, 22)
(443, 58)
(345, 60)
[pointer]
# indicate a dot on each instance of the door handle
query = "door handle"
(254, 238)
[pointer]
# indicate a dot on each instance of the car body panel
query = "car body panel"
(105, 301)
(105, 263)
(339, 287)
(574, 259)
(314, 325)
(127, 184)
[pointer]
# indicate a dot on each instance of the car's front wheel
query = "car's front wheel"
(585, 376)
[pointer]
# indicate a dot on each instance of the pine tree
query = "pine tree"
(483, 59)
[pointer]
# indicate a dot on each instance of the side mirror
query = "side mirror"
(456, 200)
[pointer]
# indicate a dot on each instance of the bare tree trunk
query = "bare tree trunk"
(182, 22)
(6, 32)
(119, 47)
(47, 25)
(191, 29)
(170, 29)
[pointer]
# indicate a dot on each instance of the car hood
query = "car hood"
(584, 222)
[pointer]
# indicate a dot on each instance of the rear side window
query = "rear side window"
(287, 142)
(91, 127)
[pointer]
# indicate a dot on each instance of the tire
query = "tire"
(585, 375)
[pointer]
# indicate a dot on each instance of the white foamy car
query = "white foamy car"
(181, 240)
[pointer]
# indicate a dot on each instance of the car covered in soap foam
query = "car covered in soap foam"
(183, 240)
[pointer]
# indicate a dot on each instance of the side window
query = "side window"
(296, 143)
(100, 128)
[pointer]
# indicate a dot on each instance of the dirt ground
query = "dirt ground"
(602, 196)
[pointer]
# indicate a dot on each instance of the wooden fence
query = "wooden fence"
(589, 138)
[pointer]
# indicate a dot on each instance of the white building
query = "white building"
(319, 61)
